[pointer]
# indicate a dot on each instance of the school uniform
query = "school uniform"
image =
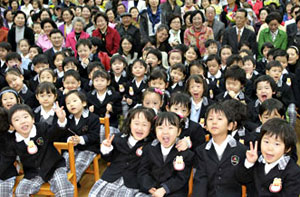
(214, 84)
(240, 96)
(28, 97)
(215, 168)
(48, 117)
(264, 175)
(34, 82)
(195, 132)
(261, 66)
(46, 165)
(83, 67)
(176, 87)
(243, 136)
(135, 91)
(158, 169)
(100, 102)
(253, 111)
(291, 81)
(120, 178)
(119, 83)
(87, 128)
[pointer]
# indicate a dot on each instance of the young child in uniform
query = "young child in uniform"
(217, 159)
(124, 151)
(273, 172)
(165, 171)
(9, 97)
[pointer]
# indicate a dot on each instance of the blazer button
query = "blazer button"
(219, 178)
(220, 169)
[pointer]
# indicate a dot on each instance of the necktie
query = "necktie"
(239, 35)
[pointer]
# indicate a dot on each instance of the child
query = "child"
(91, 68)
(249, 67)
(163, 169)
(33, 143)
(214, 75)
(235, 80)
(46, 94)
(211, 48)
(217, 159)
(196, 67)
(85, 56)
(15, 79)
(37, 29)
(8, 171)
(224, 53)
(175, 56)
(104, 101)
(135, 87)
(34, 50)
(83, 127)
(273, 172)
(13, 59)
(125, 148)
(9, 97)
(5, 48)
(177, 74)
(159, 79)
(119, 76)
(39, 62)
(153, 58)
(153, 99)
(24, 45)
(192, 133)
(71, 81)
(191, 54)
(261, 64)
(58, 59)
(197, 89)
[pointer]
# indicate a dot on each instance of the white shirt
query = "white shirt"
(101, 97)
(45, 114)
(216, 76)
(131, 141)
(165, 151)
(220, 148)
(32, 134)
(138, 83)
(241, 31)
(117, 78)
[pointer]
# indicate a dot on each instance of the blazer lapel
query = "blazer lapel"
(213, 154)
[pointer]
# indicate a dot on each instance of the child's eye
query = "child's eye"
(277, 144)
(266, 141)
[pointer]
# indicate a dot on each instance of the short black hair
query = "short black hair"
(194, 13)
(213, 57)
(12, 56)
(54, 31)
(268, 79)
(195, 48)
(179, 66)
(92, 65)
(70, 59)
(171, 117)
(39, 49)
(19, 107)
(6, 46)
(280, 53)
(174, 16)
(210, 42)
(101, 14)
(4, 121)
(274, 16)
(84, 42)
(244, 43)
(180, 98)
(101, 73)
(272, 64)
(248, 52)
(46, 87)
(155, 52)
(249, 58)
(270, 105)
(40, 59)
(80, 94)
(197, 79)
(158, 73)
(282, 129)
(119, 58)
(237, 73)
(44, 9)
(72, 73)
(244, 11)
(16, 13)
(239, 111)
(233, 58)
(48, 20)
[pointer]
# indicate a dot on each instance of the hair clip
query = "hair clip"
(180, 116)
(158, 91)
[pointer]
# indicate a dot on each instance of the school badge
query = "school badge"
(131, 92)
(276, 186)
(31, 147)
(242, 141)
(202, 122)
(139, 151)
(211, 94)
(121, 88)
(235, 160)
(288, 81)
(40, 141)
(178, 163)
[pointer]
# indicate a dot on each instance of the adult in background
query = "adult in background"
(175, 33)
(43, 40)
(20, 31)
(76, 34)
(212, 22)
(169, 8)
(108, 35)
(161, 38)
(234, 35)
(67, 25)
(198, 34)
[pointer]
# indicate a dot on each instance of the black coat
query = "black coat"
(28, 34)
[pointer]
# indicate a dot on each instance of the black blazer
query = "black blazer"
(214, 177)
(50, 54)
(137, 93)
(28, 34)
(124, 160)
(230, 38)
(37, 117)
(154, 172)
(288, 172)
(195, 132)
(47, 159)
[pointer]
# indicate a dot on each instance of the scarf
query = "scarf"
(154, 18)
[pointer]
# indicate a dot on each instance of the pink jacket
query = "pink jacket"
(71, 39)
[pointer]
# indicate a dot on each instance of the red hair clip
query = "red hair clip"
(158, 91)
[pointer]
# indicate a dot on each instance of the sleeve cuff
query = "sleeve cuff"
(166, 188)
(82, 141)
(62, 124)
(69, 139)
(248, 164)
(106, 150)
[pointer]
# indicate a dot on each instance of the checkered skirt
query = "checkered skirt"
(116, 189)
(6, 187)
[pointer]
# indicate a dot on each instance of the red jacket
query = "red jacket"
(71, 40)
(105, 60)
(112, 39)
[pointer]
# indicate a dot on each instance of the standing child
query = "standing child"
(214, 75)
(174, 57)
(120, 180)
(273, 172)
(33, 143)
(153, 59)
(119, 76)
(217, 159)
(261, 64)
(58, 59)
(177, 74)
(83, 131)
(104, 101)
(39, 62)
(24, 45)
(249, 67)
(224, 53)
(163, 169)
(196, 67)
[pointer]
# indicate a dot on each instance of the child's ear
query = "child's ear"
(267, 72)
(84, 104)
(288, 150)
(159, 62)
(230, 126)
(108, 83)
(167, 108)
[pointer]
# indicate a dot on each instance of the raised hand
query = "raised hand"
(91, 108)
(107, 142)
(109, 107)
(60, 112)
(252, 153)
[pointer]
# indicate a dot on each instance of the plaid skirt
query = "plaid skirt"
(6, 187)
(115, 189)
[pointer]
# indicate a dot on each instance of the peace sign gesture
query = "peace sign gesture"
(107, 142)
(252, 153)
(60, 112)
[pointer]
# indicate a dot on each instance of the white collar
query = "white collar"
(197, 105)
(231, 142)
(220, 148)
(284, 72)
(131, 141)
(85, 114)
(45, 114)
(101, 97)
(32, 134)
(216, 76)
(138, 83)
(282, 163)
(165, 151)
(117, 78)
(241, 30)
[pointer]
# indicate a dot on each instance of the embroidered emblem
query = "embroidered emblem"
(235, 160)
(85, 128)
(218, 83)
(242, 141)
(202, 121)
(139, 151)
(131, 92)
(109, 92)
(40, 141)
(276, 186)
(178, 163)
(211, 94)
(31, 148)
(121, 88)
(278, 94)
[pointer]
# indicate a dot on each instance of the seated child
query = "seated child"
(192, 53)
(153, 59)
(217, 159)
(91, 68)
(175, 56)
(125, 148)
(249, 67)
(164, 171)
(177, 74)
(211, 47)
(83, 130)
(33, 143)
(119, 77)
(58, 59)
(273, 171)
(224, 53)
(24, 45)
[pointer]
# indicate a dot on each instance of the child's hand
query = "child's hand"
(75, 139)
(91, 108)
(86, 61)
(232, 94)
(109, 107)
(159, 192)
(248, 75)
(152, 190)
(129, 101)
(182, 145)
(60, 113)
(252, 153)
(107, 142)
(65, 91)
